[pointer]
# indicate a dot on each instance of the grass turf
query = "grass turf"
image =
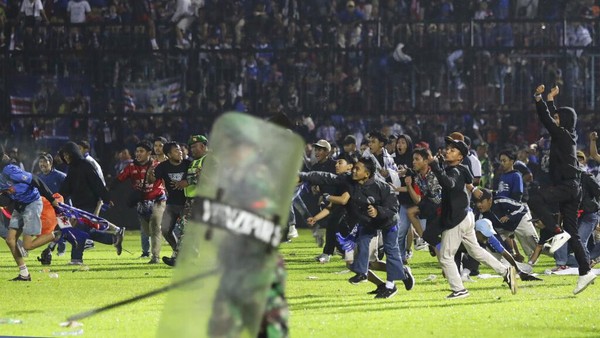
(322, 302)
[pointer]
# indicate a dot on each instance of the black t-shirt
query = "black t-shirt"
(172, 173)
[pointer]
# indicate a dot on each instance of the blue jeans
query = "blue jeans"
(403, 229)
(145, 240)
(586, 225)
(394, 266)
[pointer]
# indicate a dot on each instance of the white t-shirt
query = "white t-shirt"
(78, 10)
(475, 165)
(32, 8)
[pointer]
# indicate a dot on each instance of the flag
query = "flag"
(153, 96)
(31, 94)
(21, 105)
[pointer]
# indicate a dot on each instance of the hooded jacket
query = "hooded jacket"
(82, 184)
(563, 145)
(383, 199)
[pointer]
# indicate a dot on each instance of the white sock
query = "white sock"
(23, 271)
(389, 284)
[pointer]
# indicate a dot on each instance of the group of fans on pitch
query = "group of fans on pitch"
(372, 203)
(382, 203)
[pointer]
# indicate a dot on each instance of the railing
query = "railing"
(327, 69)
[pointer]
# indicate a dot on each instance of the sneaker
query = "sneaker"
(378, 290)
(558, 241)
(20, 278)
(467, 279)
(358, 278)
(145, 255)
(75, 262)
(559, 268)
(426, 93)
(170, 261)
(88, 245)
(421, 245)
(511, 279)
(46, 257)
(387, 293)
(293, 232)
(409, 281)
(458, 294)
(584, 281)
(119, 240)
(409, 254)
(154, 260)
(323, 258)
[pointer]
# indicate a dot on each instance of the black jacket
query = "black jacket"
(504, 206)
(385, 201)
(563, 145)
(82, 184)
(455, 199)
(590, 202)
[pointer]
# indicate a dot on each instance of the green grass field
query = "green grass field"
(322, 302)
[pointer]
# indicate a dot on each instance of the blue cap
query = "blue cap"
(484, 226)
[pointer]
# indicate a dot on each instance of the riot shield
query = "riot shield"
(244, 195)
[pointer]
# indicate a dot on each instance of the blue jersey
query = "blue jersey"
(53, 179)
(16, 184)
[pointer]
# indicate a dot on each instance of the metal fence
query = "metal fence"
(325, 68)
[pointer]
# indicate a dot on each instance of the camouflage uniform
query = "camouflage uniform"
(241, 294)
(275, 320)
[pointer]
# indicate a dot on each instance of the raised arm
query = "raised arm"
(321, 177)
(593, 147)
(543, 111)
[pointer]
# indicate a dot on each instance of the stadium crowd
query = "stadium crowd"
(263, 57)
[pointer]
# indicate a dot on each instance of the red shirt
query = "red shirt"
(137, 173)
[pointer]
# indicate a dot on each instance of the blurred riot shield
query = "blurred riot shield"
(244, 195)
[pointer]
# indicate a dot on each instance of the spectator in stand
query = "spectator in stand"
(32, 12)
(77, 9)
(183, 18)
(350, 28)
(143, 13)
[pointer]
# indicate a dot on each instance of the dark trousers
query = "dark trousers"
(333, 224)
(567, 195)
